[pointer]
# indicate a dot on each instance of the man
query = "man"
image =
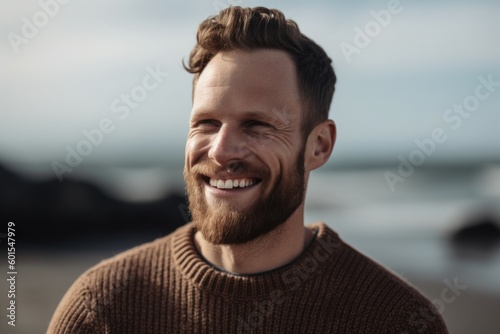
(247, 263)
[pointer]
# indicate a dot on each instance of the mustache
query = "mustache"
(233, 169)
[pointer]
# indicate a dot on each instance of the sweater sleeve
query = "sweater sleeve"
(74, 313)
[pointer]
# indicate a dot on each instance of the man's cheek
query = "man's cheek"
(199, 142)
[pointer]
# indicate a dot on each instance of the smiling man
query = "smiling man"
(247, 262)
(245, 167)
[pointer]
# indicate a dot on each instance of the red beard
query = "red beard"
(222, 224)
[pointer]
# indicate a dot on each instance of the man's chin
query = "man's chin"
(227, 225)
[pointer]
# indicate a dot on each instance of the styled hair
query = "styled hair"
(237, 28)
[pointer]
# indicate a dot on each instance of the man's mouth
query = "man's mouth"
(231, 183)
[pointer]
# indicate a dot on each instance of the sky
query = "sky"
(66, 66)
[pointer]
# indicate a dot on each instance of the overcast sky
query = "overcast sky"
(68, 77)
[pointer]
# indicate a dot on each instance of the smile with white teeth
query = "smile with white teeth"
(230, 184)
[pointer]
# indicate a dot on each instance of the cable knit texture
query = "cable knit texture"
(166, 287)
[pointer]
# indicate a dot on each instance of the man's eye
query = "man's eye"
(257, 123)
(206, 122)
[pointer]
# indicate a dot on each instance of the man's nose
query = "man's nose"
(228, 144)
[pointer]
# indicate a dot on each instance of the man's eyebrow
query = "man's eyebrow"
(255, 114)
(261, 115)
(245, 115)
(201, 114)
(267, 116)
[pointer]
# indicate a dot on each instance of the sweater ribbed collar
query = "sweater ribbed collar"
(309, 265)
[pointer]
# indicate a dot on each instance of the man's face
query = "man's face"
(245, 153)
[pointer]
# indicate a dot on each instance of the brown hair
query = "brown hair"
(237, 28)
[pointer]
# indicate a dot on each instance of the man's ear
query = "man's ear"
(320, 144)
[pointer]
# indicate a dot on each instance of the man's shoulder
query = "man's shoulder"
(377, 276)
(378, 290)
(360, 267)
(116, 283)
(139, 257)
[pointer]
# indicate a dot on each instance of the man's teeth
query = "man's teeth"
(230, 184)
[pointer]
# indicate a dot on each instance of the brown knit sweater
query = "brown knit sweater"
(166, 287)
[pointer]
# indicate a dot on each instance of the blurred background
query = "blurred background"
(94, 109)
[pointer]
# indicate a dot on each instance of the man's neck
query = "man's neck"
(268, 252)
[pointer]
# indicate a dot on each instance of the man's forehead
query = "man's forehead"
(267, 75)
(253, 57)
(255, 65)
